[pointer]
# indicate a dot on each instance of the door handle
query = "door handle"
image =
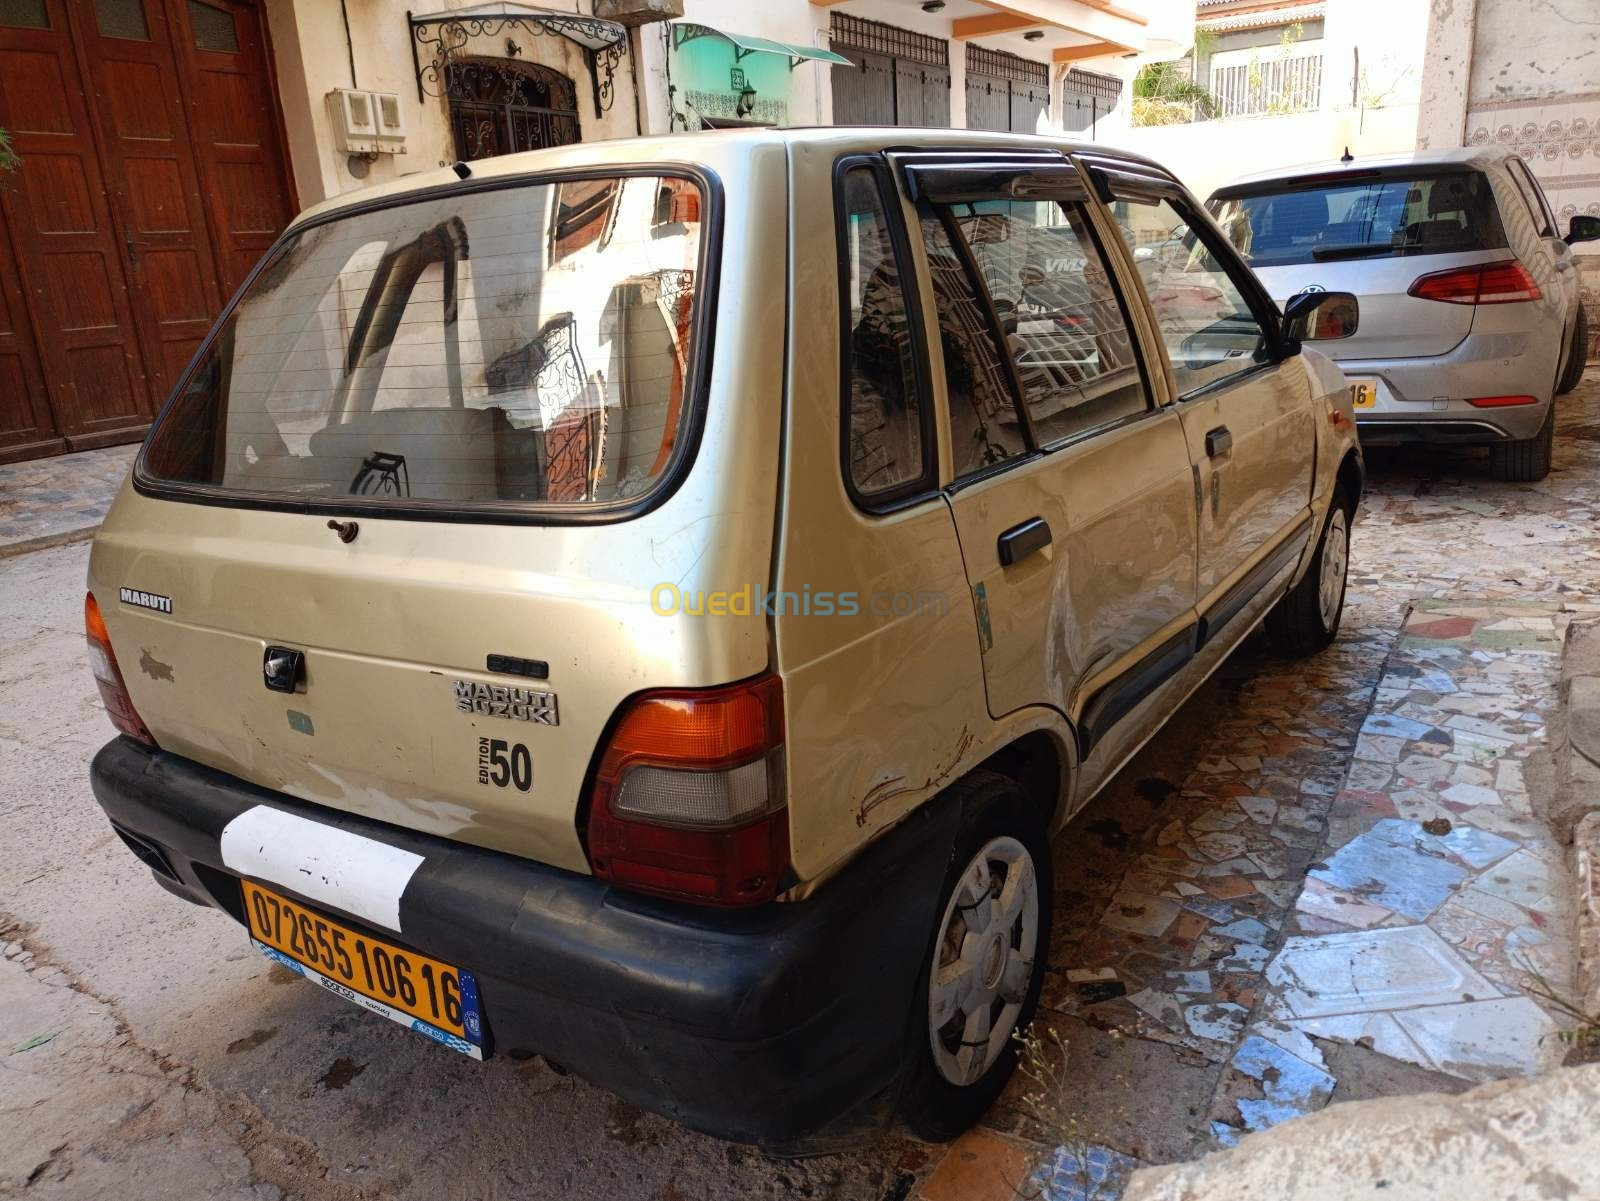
(133, 244)
(1218, 442)
(1020, 541)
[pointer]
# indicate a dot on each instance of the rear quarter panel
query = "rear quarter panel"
(883, 709)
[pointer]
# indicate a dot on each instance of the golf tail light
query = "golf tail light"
(688, 801)
(1488, 283)
(103, 662)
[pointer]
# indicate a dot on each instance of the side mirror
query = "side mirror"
(1321, 316)
(1584, 228)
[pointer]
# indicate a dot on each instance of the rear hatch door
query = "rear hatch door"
(503, 392)
(1371, 232)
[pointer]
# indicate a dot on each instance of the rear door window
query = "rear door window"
(524, 345)
(1292, 222)
(1062, 315)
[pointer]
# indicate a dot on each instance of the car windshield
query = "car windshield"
(1291, 221)
(524, 344)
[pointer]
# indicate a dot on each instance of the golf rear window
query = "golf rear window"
(525, 345)
(1300, 221)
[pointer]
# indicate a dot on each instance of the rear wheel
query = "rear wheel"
(986, 963)
(1527, 459)
(1577, 359)
(1307, 619)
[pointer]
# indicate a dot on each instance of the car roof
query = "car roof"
(1482, 157)
(711, 148)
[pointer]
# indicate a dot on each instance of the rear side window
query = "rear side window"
(523, 345)
(1382, 217)
(887, 443)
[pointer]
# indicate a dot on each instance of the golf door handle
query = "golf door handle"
(1218, 442)
(1020, 541)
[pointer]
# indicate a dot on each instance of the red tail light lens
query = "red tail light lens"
(1489, 283)
(103, 662)
(1501, 402)
(689, 798)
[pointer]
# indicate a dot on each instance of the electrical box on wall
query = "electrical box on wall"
(366, 122)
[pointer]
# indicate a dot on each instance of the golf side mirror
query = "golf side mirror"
(1584, 228)
(1321, 316)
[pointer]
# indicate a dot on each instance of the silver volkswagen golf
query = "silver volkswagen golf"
(1470, 320)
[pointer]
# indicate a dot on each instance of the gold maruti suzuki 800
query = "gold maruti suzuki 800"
(650, 603)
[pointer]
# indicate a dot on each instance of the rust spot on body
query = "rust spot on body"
(153, 667)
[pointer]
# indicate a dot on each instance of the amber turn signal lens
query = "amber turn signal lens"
(108, 676)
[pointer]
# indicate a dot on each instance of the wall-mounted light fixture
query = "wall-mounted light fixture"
(747, 103)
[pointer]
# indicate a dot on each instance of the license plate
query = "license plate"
(430, 997)
(1364, 393)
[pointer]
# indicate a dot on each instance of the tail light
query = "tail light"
(1488, 283)
(689, 798)
(1501, 402)
(103, 662)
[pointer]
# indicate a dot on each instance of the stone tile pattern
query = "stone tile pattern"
(1296, 841)
(47, 498)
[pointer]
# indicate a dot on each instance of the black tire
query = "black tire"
(1577, 358)
(931, 1106)
(1299, 624)
(1527, 460)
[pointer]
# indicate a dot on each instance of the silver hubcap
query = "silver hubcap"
(983, 960)
(1335, 559)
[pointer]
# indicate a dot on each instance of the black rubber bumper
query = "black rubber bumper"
(762, 1027)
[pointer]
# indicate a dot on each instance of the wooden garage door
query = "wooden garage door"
(151, 179)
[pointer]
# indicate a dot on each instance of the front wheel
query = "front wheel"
(986, 964)
(1307, 619)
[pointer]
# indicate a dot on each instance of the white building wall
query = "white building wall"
(1535, 86)
(1372, 81)
(314, 56)
(811, 88)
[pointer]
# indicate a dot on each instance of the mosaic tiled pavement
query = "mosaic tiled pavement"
(1341, 887)
(1267, 911)
(47, 501)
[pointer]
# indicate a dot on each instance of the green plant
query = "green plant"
(1170, 95)
(8, 157)
(1053, 1103)
(1583, 1030)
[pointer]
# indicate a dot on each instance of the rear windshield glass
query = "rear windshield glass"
(526, 344)
(1370, 218)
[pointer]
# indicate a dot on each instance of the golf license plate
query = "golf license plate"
(1364, 393)
(430, 997)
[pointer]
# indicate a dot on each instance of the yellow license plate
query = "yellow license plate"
(430, 997)
(1364, 393)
